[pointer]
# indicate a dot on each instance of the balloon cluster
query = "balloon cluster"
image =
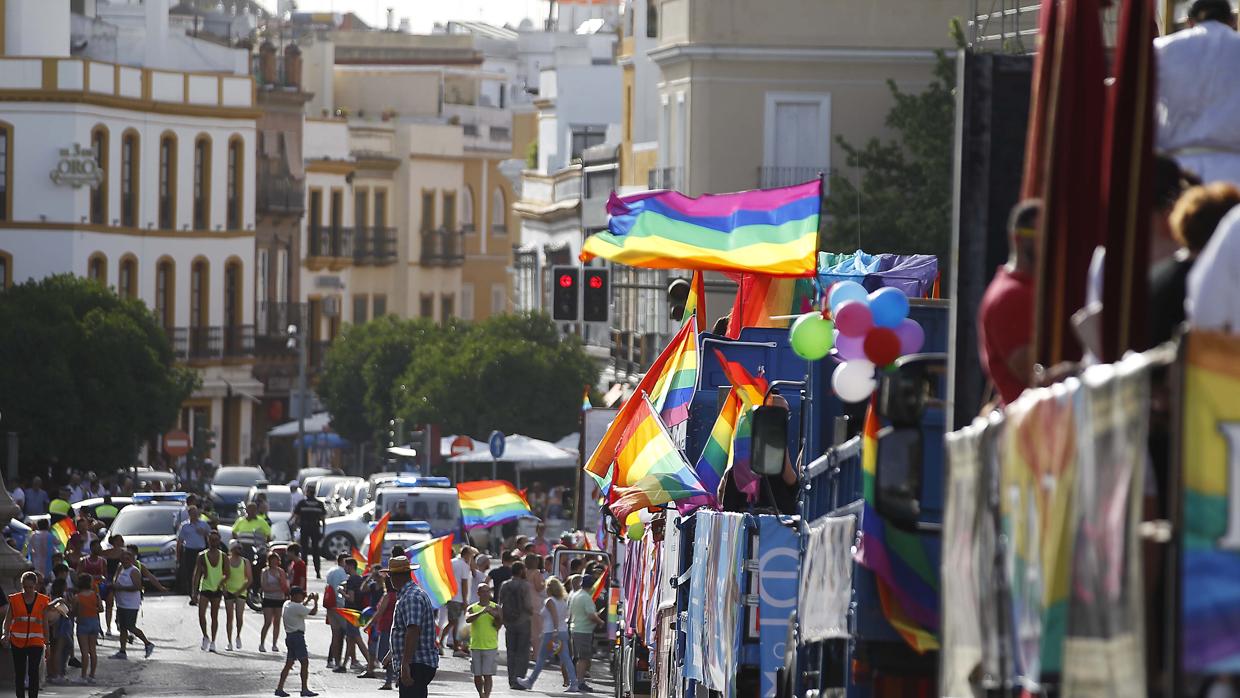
(866, 330)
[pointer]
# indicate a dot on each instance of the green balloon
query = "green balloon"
(812, 336)
(635, 530)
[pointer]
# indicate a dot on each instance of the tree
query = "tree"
(88, 376)
(905, 199)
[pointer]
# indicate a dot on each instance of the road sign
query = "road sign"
(176, 443)
(462, 445)
(496, 442)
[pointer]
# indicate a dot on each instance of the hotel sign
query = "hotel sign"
(77, 167)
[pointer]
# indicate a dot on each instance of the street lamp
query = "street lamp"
(297, 340)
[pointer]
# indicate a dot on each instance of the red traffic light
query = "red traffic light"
(567, 280)
(596, 282)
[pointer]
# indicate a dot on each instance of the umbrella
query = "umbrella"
(526, 451)
(315, 422)
(324, 439)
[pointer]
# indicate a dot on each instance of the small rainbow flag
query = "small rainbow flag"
(751, 389)
(486, 503)
(770, 231)
(600, 586)
(434, 573)
(695, 304)
(374, 541)
(673, 390)
(715, 454)
(585, 400)
(354, 617)
(650, 470)
(63, 530)
(360, 558)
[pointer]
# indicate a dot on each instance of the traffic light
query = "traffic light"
(204, 442)
(596, 294)
(565, 291)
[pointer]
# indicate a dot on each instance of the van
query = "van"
(426, 499)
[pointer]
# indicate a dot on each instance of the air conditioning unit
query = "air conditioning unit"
(331, 306)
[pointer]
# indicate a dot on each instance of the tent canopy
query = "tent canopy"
(314, 423)
(526, 452)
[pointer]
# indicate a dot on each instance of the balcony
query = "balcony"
(665, 178)
(331, 242)
(281, 194)
(769, 177)
(212, 343)
(271, 326)
(443, 248)
(374, 246)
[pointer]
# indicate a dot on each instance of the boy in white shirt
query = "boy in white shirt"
(294, 615)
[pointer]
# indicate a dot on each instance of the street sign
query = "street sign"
(496, 442)
(462, 445)
(176, 443)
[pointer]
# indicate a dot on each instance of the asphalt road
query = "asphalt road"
(180, 668)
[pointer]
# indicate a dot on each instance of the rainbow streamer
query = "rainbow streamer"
(650, 470)
(434, 573)
(486, 503)
(374, 541)
(585, 400)
(64, 530)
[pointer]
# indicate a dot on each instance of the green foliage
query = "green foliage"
(88, 376)
(512, 372)
(905, 199)
(531, 155)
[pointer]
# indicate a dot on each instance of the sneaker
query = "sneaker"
(228, 647)
(571, 690)
(262, 647)
(584, 688)
(385, 687)
(282, 693)
(120, 655)
(368, 675)
(308, 693)
(238, 640)
(54, 680)
(73, 662)
(90, 680)
(150, 649)
(342, 669)
(355, 665)
(205, 643)
(331, 662)
(212, 648)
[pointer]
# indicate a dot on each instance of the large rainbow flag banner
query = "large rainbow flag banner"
(650, 470)
(63, 530)
(768, 231)
(1211, 567)
(768, 301)
(486, 503)
(434, 573)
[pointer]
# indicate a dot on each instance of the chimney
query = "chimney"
(405, 27)
(267, 63)
(391, 19)
(292, 66)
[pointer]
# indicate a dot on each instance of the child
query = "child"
(484, 621)
(89, 604)
(294, 615)
(61, 625)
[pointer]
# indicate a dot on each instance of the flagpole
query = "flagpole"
(580, 513)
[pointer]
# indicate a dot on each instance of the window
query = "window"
(168, 182)
(447, 307)
(6, 166)
(202, 183)
(337, 221)
(360, 303)
(359, 221)
(427, 306)
(467, 209)
(380, 307)
(449, 210)
(236, 172)
(129, 179)
(164, 292)
(499, 299)
(198, 289)
(98, 193)
(127, 278)
(380, 213)
(283, 292)
(97, 268)
(652, 19)
(796, 137)
(526, 282)
(6, 270)
(467, 301)
(499, 212)
(501, 133)
(260, 287)
(316, 222)
(428, 211)
(586, 137)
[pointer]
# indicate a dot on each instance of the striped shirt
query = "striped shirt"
(413, 607)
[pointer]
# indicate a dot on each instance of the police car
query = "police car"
(431, 509)
(151, 523)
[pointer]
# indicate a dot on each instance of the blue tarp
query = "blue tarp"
(914, 274)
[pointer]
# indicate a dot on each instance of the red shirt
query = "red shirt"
(297, 573)
(1004, 325)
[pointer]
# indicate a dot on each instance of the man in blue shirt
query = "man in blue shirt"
(413, 632)
(191, 540)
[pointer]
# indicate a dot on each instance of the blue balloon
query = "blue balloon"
(888, 306)
(845, 291)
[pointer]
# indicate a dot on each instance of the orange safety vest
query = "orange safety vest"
(27, 628)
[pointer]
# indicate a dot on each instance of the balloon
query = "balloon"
(849, 348)
(888, 306)
(811, 336)
(882, 346)
(853, 318)
(845, 291)
(367, 614)
(853, 381)
(635, 531)
(911, 335)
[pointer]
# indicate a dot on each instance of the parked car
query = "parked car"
(231, 483)
(307, 473)
(151, 523)
(152, 480)
(342, 495)
(90, 505)
(341, 534)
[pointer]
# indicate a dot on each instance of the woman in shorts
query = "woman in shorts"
(275, 587)
(237, 578)
(89, 604)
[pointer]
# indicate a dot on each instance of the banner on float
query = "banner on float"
(778, 552)
(1211, 457)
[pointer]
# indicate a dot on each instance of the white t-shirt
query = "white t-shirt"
(129, 600)
(295, 617)
(561, 615)
(1213, 300)
(467, 591)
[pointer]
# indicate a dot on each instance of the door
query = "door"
(798, 138)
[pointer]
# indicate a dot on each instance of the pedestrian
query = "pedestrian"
(484, 620)
(36, 499)
(237, 579)
(534, 574)
(209, 582)
(41, 549)
(583, 618)
(1005, 316)
(501, 574)
(541, 545)
(353, 600)
(88, 607)
(413, 632)
(19, 494)
(61, 626)
(112, 558)
(332, 598)
(463, 570)
(293, 615)
(143, 571)
(385, 610)
(77, 490)
(515, 604)
(127, 587)
(296, 567)
(25, 633)
(309, 515)
(275, 587)
(191, 540)
(294, 494)
(555, 640)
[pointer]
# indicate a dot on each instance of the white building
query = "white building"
(169, 216)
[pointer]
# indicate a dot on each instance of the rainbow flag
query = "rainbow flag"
(713, 462)
(599, 465)
(751, 389)
(374, 541)
(600, 585)
(695, 304)
(650, 470)
(63, 530)
(585, 400)
(360, 558)
(353, 617)
(751, 392)
(434, 573)
(771, 231)
(767, 301)
(907, 583)
(673, 391)
(486, 503)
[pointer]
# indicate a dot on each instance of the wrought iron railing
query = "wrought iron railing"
(769, 177)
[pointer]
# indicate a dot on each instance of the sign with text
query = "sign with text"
(77, 167)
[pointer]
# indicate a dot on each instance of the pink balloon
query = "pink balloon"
(850, 348)
(853, 319)
(912, 336)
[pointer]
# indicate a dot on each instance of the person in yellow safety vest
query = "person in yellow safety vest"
(107, 511)
(26, 631)
(59, 508)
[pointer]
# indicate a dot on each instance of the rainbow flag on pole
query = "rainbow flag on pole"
(769, 231)
(63, 530)
(486, 503)
(359, 558)
(434, 573)
(673, 390)
(695, 304)
(374, 541)
(354, 617)
(650, 470)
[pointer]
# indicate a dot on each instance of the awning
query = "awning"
(526, 453)
(315, 422)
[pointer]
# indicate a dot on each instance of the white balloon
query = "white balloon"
(853, 381)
